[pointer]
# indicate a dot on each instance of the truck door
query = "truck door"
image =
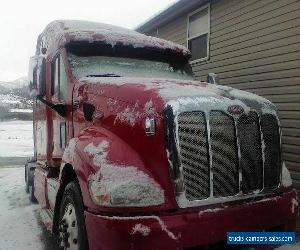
(41, 122)
(59, 125)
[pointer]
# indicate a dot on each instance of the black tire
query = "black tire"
(72, 195)
(26, 180)
(31, 194)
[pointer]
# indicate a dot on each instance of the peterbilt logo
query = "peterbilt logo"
(235, 110)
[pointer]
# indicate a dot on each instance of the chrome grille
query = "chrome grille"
(194, 154)
(269, 127)
(224, 154)
(234, 145)
(251, 153)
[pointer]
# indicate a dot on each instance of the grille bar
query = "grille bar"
(194, 154)
(251, 152)
(224, 155)
(271, 137)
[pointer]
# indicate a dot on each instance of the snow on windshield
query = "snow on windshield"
(123, 67)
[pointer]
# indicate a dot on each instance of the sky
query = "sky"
(21, 21)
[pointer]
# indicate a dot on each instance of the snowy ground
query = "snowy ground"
(20, 224)
(16, 139)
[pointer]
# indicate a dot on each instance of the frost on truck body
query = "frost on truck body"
(121, 184)
(140, 228)
(129, 115)
(170, 89)
(162, 224)
(286, 177)
(70, 150)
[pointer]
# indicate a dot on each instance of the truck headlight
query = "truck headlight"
(138, 192)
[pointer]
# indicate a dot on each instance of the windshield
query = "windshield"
(107, 66)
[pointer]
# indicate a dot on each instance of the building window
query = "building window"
(198, 33)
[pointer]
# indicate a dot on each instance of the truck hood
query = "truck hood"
(174, 91)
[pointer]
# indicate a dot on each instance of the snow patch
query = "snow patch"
(119, 184)
(142, 229)
(247, 95)
(99, 153)
(206, 103)
(111, 104)
(166, 87)
(164, 228)
(213, 210)
(20, 110)
(214, 95)
(59, 32)
(70, 150)
(149, 109)
(263, 147)
(266, 200)
(16, 139)
(14, 101)
(129, 115)
(294, 205)
(158, 219)
(256, 191)
(21, 226)
(169, 91)
(286, 177)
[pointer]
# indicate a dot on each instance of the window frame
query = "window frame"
(53, 75)
(200, 34)
(59, 58)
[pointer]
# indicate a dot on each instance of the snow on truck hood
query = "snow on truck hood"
(181, 92)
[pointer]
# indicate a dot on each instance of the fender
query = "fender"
(93, 148)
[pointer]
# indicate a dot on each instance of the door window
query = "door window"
(59, 79)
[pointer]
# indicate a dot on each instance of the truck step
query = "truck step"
(47, 218)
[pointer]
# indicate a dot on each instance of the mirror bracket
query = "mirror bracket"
(60, 108)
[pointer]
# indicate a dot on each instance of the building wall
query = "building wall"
(255, 46)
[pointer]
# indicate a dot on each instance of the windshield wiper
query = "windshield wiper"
(104, 75)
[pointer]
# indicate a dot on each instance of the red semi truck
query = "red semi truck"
(132, 153)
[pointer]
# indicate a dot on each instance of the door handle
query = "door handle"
(76, 104)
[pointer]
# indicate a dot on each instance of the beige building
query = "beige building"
(252, 45)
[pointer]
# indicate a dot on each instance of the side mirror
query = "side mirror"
(36, 75)
(32, 74)
(213, 78)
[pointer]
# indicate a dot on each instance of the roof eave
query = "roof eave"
(179, 8)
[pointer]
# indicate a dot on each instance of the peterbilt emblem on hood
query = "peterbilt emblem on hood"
(235, 109)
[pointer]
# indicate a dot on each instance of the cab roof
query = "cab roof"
(61, 32)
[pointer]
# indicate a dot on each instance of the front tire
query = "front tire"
(72, 232)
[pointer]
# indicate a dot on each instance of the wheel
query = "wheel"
(31, 194)
(72, 232)
(26, 180)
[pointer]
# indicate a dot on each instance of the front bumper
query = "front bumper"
(190, 229)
